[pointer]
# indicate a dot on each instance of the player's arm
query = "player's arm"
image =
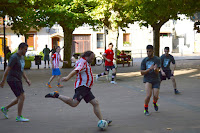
(64, 61)
(51, 61)
(173, 68)
(104, 56)
(156, 69)
(26, 78)
(144, 72)
(4, 76)
(68, 77)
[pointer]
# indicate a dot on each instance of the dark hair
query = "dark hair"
(22, 45)
(110, 44)
(87, 54)
(149, 47)
(167, 48)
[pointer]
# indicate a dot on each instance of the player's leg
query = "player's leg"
(59, 85)
(113, 75)
(96, 108)
(102, 74)
(174, 85)
(155, 98)
(148, 89)
(51, 79)
(71, 102)
(45, 61)
(20, 99)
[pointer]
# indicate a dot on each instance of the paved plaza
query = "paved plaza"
(123, 103)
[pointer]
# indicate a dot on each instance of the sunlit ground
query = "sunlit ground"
(177, 73)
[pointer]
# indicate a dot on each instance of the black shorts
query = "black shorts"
(83, 92)
(107, 68)
(16, 87)
(168, 74)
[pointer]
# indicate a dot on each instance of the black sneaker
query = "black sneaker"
(54, 94)
(108, 121)
(146, 112)
(177, 92)
(155, 106)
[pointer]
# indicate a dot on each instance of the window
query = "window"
(126, 37)
(30, 41)
(99, 40)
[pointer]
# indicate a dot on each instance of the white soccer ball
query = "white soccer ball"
(102, 124)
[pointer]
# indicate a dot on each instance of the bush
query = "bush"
(42, 54)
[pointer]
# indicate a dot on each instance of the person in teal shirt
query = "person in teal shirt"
(165, 71)
(46, 52)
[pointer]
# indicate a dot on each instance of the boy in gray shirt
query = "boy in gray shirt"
(150, 69)
(14, 73)
(165, 71)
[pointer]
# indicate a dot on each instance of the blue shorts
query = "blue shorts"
(107, 68)
(56, 71)
(155, 84)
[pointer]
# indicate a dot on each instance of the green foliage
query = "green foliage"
(42, 54)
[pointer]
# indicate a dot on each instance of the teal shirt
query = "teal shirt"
(17, 64)
(46, 51)
(146, 64)
(166, 60)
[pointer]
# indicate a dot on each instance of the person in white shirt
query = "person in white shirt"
(82, 85)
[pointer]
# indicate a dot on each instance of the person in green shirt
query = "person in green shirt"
(46, 52)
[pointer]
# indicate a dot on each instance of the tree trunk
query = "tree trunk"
(156, 40)
(67, 46)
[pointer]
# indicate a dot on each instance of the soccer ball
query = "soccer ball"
(102, 124)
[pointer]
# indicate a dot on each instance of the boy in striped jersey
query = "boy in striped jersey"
(82, 86)
(55, 59)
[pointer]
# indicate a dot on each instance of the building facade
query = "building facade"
(178, 35)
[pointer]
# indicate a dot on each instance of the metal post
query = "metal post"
(4, 42)
(104, 37)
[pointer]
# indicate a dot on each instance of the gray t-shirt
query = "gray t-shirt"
(151, 76)
(17, 64)
(166, 60)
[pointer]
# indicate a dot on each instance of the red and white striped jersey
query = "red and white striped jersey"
(84, 75)
(56, 59)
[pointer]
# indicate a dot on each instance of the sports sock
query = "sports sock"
(58, 83)
(48, 83)
(101, 74)
(113, 76)
(146, 107)
(154, 102)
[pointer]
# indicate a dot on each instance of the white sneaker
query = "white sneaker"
(4, 111)
(21, 119)
(97, 77)
(113, 82)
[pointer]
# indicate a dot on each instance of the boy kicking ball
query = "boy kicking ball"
(83, 84)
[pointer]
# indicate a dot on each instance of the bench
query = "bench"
(125, 59)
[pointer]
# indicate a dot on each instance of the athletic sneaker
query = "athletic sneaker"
(21, 119)
(4, 111)
(48, 85)
(108, 121)
(113, 82)
(177, 92)
(97, 76)
(146, 112)
(54, 94)
(155, 106)
(60, 86)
